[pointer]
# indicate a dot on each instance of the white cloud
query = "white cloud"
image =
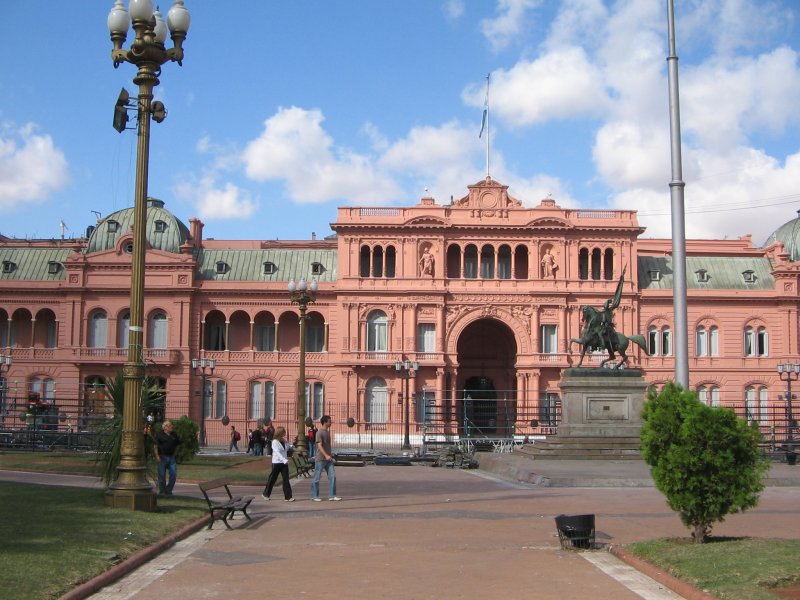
(213, 201)
(508, 24)
(31, 166)
(629, 154)
(453, 9)
(294, 147)
(560, 84)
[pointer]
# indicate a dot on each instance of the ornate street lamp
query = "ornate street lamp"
(147, 53)
(789, 372)
(5, 365)
(203, 367)
(406, 369)
(302, 295)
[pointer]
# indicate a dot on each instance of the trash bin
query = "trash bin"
(575, 531)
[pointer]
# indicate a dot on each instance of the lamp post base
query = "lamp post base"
(131, 499)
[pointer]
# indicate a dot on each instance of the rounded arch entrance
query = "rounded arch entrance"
(486, 384)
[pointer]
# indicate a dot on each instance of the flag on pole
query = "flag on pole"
(485, 115)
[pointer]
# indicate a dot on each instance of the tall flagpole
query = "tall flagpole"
(485, 124)
(488, 129)
(676, 188)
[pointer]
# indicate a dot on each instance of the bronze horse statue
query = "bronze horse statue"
(599, 333)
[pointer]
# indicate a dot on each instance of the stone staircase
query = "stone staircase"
(583, 448)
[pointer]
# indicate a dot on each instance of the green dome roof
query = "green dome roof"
(164, 231)
(789, 235)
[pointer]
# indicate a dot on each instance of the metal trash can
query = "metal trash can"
(575, 531)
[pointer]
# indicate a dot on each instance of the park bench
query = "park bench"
(222, 505)
(303, 466)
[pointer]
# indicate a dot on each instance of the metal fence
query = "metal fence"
(495, 420)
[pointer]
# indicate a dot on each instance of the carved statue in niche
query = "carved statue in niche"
(549, 265)
(426, 262)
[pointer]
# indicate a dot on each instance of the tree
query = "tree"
(705, 460)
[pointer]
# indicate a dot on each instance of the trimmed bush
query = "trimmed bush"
(705, 460)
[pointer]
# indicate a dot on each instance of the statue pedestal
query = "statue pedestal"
(601, 416)
(601, 402)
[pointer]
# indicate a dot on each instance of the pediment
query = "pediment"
(427, 220)
(550, 222)
(488, 195)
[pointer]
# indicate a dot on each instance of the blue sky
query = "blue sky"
(283, 111)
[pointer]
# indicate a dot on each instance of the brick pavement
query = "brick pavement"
(421, 532)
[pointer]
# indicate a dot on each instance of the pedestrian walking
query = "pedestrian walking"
(311, 436)
(166, 449)
(324, 461)
(281, 450)
(235, 437)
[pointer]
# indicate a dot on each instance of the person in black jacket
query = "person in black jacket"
(258, 442)
(165, 450)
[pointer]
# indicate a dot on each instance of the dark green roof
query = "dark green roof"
(789, 235)
(118, 224)
(248, 265)
(723, 273)
(32, 264)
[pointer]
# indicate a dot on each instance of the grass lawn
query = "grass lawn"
(55, 538)
(241, 469)
(730, 569)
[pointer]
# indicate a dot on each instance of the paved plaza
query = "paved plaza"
(410, 532)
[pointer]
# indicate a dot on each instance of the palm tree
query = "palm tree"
(109, 432)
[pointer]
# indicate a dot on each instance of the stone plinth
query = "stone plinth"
(601, 403)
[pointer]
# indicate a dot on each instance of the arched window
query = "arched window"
(44, 388)
(713, 341)
(158, 330)
(262, 400)
(608, 264)
(454, 261)
(364, 261)
(377, 261)
(520, 262)
(504, 262)
(755, 400)
(471, 262)
(755, 341)
(391, 260)
(377, 332)
(714, 396)
(315, 399)
(583, 264)
(596, 266)
(702, 394)
(376, 401)
(666, 341)
(98, 329)
(123, 329)
(701, 341)
(216, 398)
(487, 262)
(659, 341)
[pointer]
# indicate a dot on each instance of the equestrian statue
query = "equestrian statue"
(599, 332)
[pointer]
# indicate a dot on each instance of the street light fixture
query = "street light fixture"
(147, 53)
(302, 294)
(406, 369)
(5, 365)
(203, 367)
(789, 372)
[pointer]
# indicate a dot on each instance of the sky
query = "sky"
(284, 111)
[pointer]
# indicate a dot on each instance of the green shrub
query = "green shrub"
(187, 431)
(705, 460)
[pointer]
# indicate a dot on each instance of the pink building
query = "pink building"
(483, 293)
